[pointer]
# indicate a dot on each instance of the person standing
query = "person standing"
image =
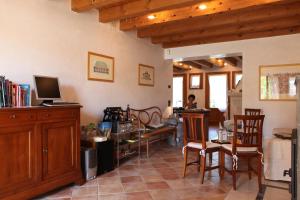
(191, 104)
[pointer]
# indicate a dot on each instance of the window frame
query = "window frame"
(200, 82)
(234, 73)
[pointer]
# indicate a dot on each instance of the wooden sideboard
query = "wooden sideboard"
(39, 150)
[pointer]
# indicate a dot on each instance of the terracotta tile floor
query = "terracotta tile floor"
(156, 178)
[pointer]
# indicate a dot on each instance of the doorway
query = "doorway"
(217, 84)
(179, 90)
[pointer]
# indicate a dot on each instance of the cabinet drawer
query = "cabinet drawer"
(57, 114)
(17, 116)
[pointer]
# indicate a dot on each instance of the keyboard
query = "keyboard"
(60, 104)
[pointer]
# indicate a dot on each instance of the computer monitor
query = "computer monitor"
(47, 88)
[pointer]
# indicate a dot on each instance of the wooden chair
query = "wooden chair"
(247, 143)
(252, 111)
(195, 140)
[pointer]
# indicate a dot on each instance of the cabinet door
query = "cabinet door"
(59, 148)
(18, 157)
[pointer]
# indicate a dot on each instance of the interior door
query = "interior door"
(59, 148)
(18, 157)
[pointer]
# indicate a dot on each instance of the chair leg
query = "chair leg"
(147, 148)
(185, 161)
(233, 177)
(221, 163)
(259, 169)
(210, 158)
(199, 160)
(249, 168)
(203, 166)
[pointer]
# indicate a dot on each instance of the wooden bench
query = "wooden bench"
(149, 117)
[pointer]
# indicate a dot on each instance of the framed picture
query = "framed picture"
(277, 82)
(100, 67)
(196, 81)
(236, 78)
(146, 75)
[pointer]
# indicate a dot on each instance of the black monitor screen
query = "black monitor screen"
(47, 87)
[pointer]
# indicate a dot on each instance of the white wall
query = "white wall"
(47, 38)
(256, 52)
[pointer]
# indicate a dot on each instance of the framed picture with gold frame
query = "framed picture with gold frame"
(277, 82)
(146, 75)
(100, 67)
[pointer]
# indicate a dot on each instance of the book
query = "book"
(14, 95)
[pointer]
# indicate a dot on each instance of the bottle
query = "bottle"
(220, 132)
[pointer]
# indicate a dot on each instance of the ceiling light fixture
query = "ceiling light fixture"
(202, 7)
(151, 17)
(180, 64)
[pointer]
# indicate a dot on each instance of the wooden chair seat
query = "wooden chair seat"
(196, 145)
(228, 147)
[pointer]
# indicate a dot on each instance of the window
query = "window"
(178, 91)
(236, 77)
(218, 87)
(196, 81)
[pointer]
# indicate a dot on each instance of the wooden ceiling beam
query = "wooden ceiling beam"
(140, 7)
(179, 69)
(218, 62)
(193, 11)
(85, 5)
(192, 64)
(81, 5)
(205, 63)
(231, 29)
(234, 37)
(274, 12)
(232, 61)
(181, 65)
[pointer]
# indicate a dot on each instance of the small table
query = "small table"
(127, 144)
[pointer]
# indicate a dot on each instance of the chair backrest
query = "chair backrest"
(193, 128)
(252, 111)
(248, 131)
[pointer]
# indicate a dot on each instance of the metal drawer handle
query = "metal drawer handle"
(45, 150)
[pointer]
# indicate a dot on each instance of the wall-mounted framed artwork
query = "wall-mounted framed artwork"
(236, 78)
(196, 81)
(146, 75)
(100, 67)
(277, 82)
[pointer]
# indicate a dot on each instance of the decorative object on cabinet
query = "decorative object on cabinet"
(277, 82)
(146, 75)
(39, 150)
(196, 80)
(100, 67)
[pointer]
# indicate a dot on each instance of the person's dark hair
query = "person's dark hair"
(192, 96)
